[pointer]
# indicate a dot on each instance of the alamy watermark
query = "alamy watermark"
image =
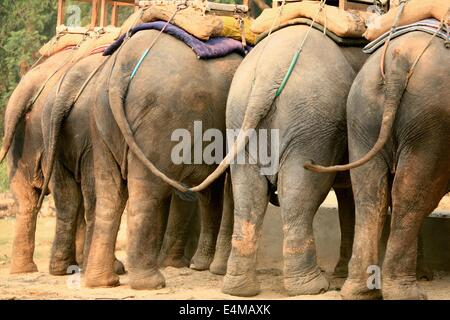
(262, 148)
(374, 278)
(74, 279)
(73, 16)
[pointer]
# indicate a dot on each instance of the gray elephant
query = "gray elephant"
(73, 190)
(406, 118)
(69, 171)
(24, 146)
(309, 115)
(171, 90)
(311, 109)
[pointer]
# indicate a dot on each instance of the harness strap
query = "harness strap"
(41, 89)
(86, 82)
(136, 68)
(400, 10)
(280, 9)
(99, 49)
(72, 62)
(441, 26)
(297, 53)
(242, 29)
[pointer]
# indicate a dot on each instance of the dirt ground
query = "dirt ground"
(180, 283)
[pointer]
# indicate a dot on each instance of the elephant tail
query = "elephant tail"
(18, 105)
(116, 101)
(395, 85)
(258, 107)
(63, 103)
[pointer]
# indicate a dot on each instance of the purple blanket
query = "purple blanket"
(213, 48)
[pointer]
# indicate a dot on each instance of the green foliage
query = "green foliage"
(25, 25)
(4, 181)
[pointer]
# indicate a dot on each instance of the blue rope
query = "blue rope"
(136, 68)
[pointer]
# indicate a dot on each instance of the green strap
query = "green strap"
(136, 68)
(288, 73)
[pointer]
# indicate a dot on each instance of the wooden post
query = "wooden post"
(103, 13)
(114, 15)
(94, 15)
(61, 9)
(342, 4)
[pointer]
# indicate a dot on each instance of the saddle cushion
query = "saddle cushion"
(414, 11)
(59, 43)
(190, 19)
(213, 48)
(343, 23)
(231, 29)
(430, 26)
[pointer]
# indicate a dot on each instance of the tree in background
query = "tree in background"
(25, 25)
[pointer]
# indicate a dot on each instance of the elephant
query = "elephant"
(137, 109)
(399, 133)
(69, 171)
(72, 184)
(309, 116)
(23, 146)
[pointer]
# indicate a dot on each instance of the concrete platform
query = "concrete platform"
(436, 235)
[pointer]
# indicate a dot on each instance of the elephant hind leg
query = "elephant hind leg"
(111, 196)
(418, 186)
(211, 204)
(26, 197)
(80, 238)
(69, 213)
(223, 244)
(149, 201)
(301, 192)
(177, 232)
(371, 188)
(346, 208)
(423, 270)
(250, 190)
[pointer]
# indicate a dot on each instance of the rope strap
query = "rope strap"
(298, 51)
(146, 52)
(442, 25)
(400, 10)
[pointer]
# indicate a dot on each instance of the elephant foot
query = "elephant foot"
(60, 267)
(218, 266)
(119, 268)
(146, 279)
(101, 280)
(314, 283)
(175, 262)
(358, 290)
(424, 273)
(336, 282)
(219, 263)
(402, 290)
(241, 285)
(201, 262)
(25, 267)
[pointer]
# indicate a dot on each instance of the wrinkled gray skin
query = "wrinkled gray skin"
(69, 164)
(171, 90)
(72, 181)
(410, 172)
(310, 116)
(24, 148)
(23, 142)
